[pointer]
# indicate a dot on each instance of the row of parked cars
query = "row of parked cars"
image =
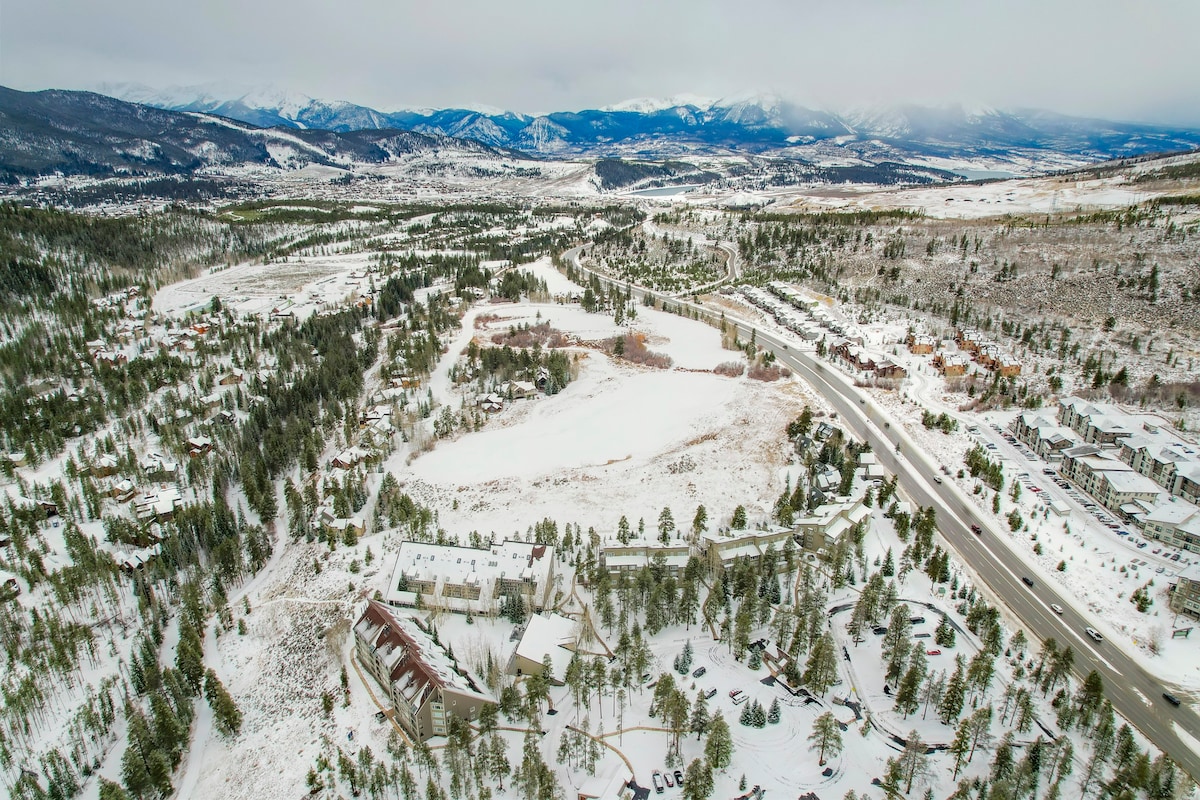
(664, 779)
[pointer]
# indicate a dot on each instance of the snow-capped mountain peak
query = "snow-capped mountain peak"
(651, 105)
(758, 122)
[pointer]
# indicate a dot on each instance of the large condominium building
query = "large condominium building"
(617, 558)
(424, 684)
(1176, 523)
(722, 549)
(1111, 481)
(1185, 594)
(470, 580)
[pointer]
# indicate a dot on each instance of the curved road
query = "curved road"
(1135, 693)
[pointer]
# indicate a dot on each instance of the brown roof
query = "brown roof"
(391, 635)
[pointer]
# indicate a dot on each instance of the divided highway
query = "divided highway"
(1135, 693)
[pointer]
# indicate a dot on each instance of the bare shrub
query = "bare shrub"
(526, 336)
(766, 372)
(632, 348)
(731, 368)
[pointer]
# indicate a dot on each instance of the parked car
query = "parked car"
(879, 630)
(735, 693)
(698, 672)
(667, 779)
(1056, 608)
(1141, 545)
(1047, 472)
(1095, 634)
(1170, 698)
(737, 701)
(678, 778)
(1175, 557)
(916, 620)
(710, 694)
(657, 780)
(933, 652)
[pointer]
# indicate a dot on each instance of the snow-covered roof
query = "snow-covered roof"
(1129, 482)
(549, 635)
(415, 664)
(467, 566)
(1175, 514)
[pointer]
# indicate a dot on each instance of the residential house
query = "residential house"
(886, 368)
(969, 339)
(232, 378)
(424, 684)
(519, 390)
(122, 491)
(920, 344)
(156, 467)
(199, 446)
(871, 469)
(328, 519)
(157, 507)
(348, 458)
(951, 365)
(105, 466)
(491, 403)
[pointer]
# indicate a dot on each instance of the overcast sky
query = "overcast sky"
(1118, 59)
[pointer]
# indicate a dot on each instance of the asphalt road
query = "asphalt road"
(1135, 694)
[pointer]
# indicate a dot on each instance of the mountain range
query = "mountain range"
(761, 124)
(84, 133)
(636, 144)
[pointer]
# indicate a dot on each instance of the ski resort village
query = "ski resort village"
(607, 499)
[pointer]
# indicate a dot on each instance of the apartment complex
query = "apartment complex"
(470, 580)
(1156, 460)
(820, 531)
(424, 683)
(1175, 523)
(722, 549)
(1043, 436)
(1111, 481)
(618, 558)
(1185, 594)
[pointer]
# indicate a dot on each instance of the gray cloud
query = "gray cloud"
(1110, 58)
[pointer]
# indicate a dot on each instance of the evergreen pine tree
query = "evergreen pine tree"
(226, 715)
